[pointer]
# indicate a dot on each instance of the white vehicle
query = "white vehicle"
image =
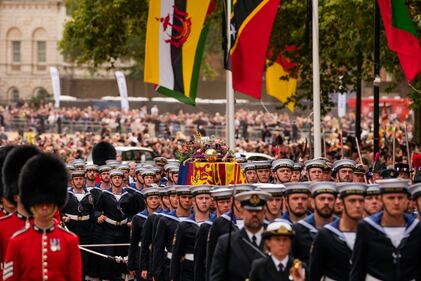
(254, 156)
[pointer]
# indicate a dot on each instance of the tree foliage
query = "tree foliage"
(103, 31)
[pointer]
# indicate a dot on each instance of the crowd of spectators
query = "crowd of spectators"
(278, 134)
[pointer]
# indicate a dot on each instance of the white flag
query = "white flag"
(122, 88)
(55, 80)
(341, 104)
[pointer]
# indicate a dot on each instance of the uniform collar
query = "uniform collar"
(375, 221)
(20, 216)
(44, 231)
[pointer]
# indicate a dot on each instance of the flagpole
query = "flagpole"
(230, 110)
(316, 83)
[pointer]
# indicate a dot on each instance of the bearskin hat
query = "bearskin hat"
(43, 180)
(102, 152)
(4, 150)
(12, 167)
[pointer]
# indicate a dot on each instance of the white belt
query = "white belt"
(325, 278)
(169, 255)
(78, 218)
(117, 223)
(140, 244)
(189, 257)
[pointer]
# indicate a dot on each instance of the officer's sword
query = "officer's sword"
(254, 247)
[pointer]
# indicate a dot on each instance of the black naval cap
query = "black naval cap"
(402, 168)
(389, 174)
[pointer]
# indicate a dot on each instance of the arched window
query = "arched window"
(39, 46)
(13, 95)
(14, 45)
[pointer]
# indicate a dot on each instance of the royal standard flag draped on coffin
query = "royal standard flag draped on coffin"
(175, 38)
(210, 173)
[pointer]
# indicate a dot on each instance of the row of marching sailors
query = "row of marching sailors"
(354, 245)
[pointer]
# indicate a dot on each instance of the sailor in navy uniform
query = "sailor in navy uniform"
(235, 252)
(388, 244)
(171, 171)
(151, 196)
(136, 194)
(91, 172)
(274, 204)
(249, 171)
(324, 196)
(222, 197)
(183, 259)
(296, 172)
(263, 171)
(227, 222)
(296, 198)
(147, 236)
(315, 168)
(163, 241)
(415, 190)
(282, 170)
(343, 170)
(113, 214)
(330, 257)
(149, 177)
(372, 202)
(279, 265)
(78, 214)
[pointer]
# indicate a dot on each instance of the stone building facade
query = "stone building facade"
(29, 32)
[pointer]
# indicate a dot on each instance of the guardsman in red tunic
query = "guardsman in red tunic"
(43, 251)
(12, 166)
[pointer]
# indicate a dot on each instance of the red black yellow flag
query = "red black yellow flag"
(251, 26)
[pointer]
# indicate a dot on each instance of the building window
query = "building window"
(16, 51)
(42, 51)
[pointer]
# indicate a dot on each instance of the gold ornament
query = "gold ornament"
(211, 155)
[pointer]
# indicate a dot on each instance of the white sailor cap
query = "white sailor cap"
(239, 188)
(315, 163)
(393, 186)
(343, 163)
(78, 163)
(124, 167)
(415, 190)
(148, 172)
(170, 166)
(318, 188)
(248, 166)
(297, 167)
(373, 189)
(253, 200)
(183, 190)
(282, 163)
(221, 193)
(91, 167)
(263, 164)
(171, 189)
(297, 187)
(104, 168)
(346, 189)
(151, 191)
(200, 189)
(274, 189)
(116, 173)
(113, 163)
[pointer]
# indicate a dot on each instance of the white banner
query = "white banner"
(341, 104)
(122, 88)
(55, 80)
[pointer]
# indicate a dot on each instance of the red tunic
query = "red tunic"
(35, 254)
(8, 226)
